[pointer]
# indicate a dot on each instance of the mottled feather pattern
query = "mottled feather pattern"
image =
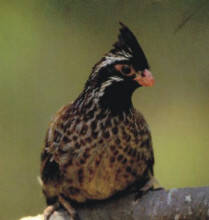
(97, 144)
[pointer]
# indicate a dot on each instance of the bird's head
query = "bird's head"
(123, 69)
(125, 62)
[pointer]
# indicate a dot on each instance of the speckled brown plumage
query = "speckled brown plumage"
(100, 144)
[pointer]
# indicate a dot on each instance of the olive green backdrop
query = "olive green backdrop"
(47, 49)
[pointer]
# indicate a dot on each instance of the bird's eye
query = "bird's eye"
(125, 69)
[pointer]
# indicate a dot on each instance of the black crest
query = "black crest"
(126, 49)
(127, 44)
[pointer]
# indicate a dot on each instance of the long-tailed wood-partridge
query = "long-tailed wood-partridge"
(100, 145)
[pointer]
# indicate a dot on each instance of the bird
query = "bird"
(99, 145)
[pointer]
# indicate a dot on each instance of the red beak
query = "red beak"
(145, 78)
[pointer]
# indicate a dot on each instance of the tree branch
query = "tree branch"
(177, 204)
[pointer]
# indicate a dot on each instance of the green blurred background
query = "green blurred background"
(47, 51)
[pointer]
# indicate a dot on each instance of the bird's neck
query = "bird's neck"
(115, 99)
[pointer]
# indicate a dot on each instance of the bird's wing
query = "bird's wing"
(146, 143)
(49, 160)
(56, 129)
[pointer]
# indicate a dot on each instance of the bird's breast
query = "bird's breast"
(102, 157)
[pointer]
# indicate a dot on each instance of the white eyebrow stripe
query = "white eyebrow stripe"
(111, 58)
(116, 78)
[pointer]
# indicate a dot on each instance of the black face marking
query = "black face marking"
(126, 69)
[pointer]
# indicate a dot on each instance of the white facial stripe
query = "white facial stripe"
(116, 78)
